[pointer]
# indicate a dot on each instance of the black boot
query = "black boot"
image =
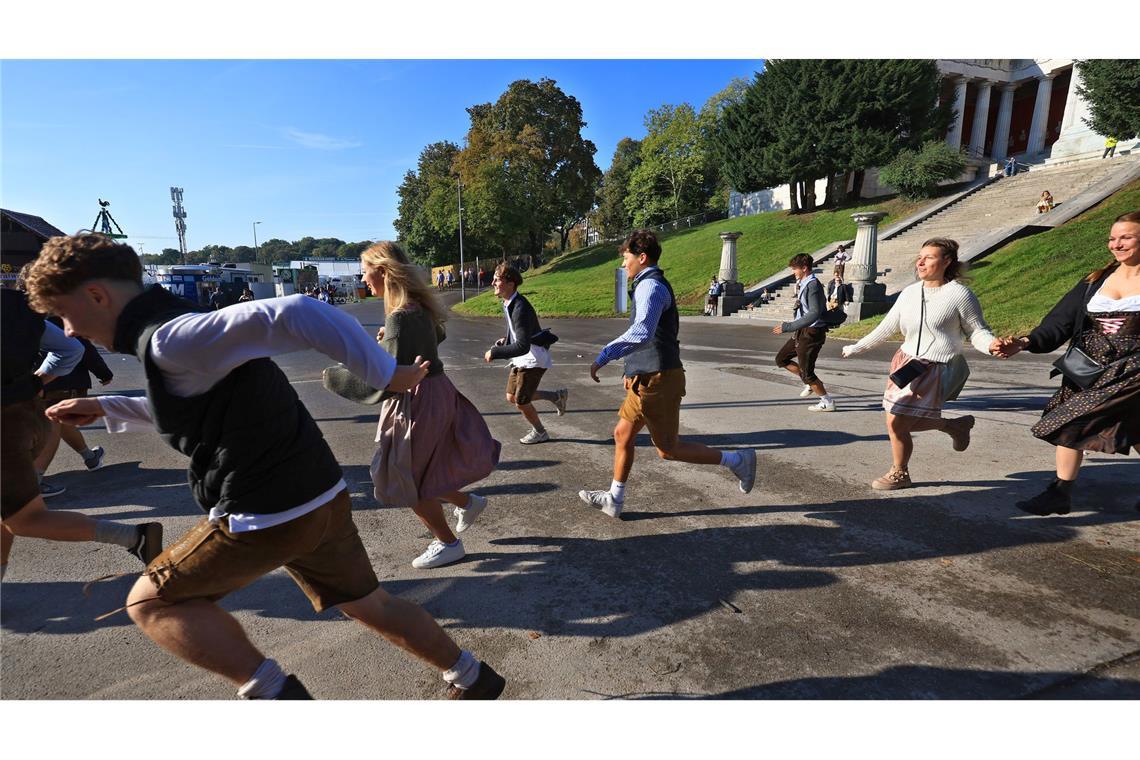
(1054, 500)
(293, 689)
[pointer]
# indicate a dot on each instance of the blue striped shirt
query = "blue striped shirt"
(650, 299)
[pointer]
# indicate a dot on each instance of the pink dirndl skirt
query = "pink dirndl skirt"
(451, 445)
(922, 397)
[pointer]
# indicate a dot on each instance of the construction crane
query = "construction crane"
(104, 220)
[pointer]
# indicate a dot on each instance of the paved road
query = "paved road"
(811, 586)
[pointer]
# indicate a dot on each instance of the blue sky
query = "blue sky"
(305, 147)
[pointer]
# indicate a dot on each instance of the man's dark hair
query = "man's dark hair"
(642, 241)
(508, 273)
(801, 260)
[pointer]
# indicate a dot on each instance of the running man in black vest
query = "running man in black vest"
(654, 379)
(259, 466)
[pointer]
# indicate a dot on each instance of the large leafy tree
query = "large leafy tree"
(526, 169)
(611, 215)
(1112, 89)
(428, 224)
(669, 181)
(805, 119)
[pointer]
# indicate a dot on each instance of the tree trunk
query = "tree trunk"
(809, 194)
(564, 233)
(794, 197)
(857, 187)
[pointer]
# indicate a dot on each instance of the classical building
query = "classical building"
(1018, 107)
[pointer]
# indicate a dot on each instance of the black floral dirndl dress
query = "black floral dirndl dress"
(1104, 417)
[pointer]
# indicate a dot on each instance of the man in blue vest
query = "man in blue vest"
(259, 466)
(654, 379)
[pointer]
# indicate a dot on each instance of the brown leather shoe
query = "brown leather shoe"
(960, 432)
(892, 481)
(489, 685)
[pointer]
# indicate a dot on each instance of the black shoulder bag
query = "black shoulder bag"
(1079, 368)
(915, 368)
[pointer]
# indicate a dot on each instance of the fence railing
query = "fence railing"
(693, 220)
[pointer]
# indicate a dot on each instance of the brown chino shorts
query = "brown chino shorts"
(23, 429)
(522, 383)
(655, 401)
(803, 349)
(321, 550)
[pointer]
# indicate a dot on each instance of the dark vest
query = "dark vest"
(22, 329)
(664, 350)
(253, 446)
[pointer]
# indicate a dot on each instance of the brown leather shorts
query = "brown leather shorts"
(24, 430)
(655, 400)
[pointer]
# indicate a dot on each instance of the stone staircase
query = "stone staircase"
(1009, 202)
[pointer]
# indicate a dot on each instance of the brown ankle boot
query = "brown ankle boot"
(960, 432)
(893, 480)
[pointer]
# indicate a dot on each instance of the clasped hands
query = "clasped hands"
(1007, 346)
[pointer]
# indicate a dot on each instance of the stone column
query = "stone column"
(732, 298)
(1004, 117)
(954, 136)
(728, 256)
(1039, 125)
(981, 119)
(868, 297)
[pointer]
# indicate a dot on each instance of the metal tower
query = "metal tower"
(179, 220)
(104, 220)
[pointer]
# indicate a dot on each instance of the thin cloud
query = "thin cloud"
(258, 147)
(317, 141)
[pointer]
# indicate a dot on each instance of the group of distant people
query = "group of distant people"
(274, 495)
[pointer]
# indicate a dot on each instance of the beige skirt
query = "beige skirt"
(922, 397)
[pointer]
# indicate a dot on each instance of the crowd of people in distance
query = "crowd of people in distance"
(277, 497)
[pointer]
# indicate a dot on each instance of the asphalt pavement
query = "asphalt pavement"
(812, 586)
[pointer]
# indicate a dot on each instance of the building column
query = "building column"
(954, 136)
(1039, 125)
(981, 119)
(1004, 117)
(727, 272)
(868, 297)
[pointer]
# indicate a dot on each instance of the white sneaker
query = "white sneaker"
(603, 499)
(535, 437)
(560, 404)
(469, 514)
(822, 406)
(746, 470)
(807, 391)
(438, 554)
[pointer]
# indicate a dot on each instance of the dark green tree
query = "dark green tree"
(804, 119)
(428, 224)
(1112, 89)
(611, 216)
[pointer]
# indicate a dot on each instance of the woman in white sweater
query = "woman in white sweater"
(935, 316)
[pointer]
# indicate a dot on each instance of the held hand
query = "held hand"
(487, 357)
(627, 382)
(380, 335)
(501, 342)
(594, 372)
(75, 411)
(997, 348)
(778, 329)
(408, 376)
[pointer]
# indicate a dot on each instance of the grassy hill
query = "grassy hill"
(1018, 284)
(580, 283)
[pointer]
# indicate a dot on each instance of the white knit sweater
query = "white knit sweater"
(952, 314)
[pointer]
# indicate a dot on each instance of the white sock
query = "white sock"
(464, 672)
(617, 490)
(121, 534)
(730, 459)
(266, 683)
(825, 398)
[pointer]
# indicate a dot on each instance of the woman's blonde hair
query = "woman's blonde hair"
(404, 282)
